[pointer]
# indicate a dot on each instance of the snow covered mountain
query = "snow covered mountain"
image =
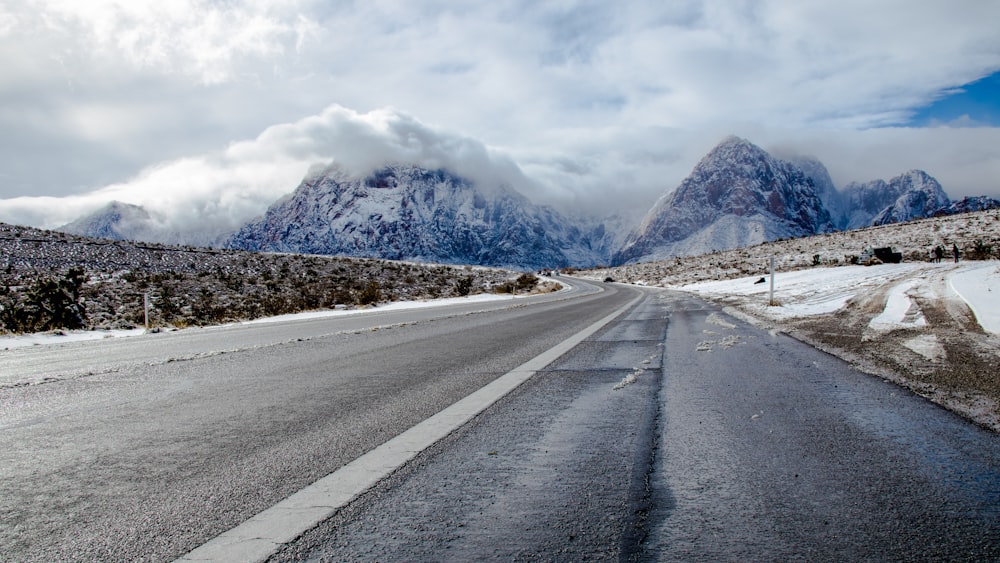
(969, 205)
(125, 221)
(115, 221)
(404, 212)
(912, 195)
(737, 195)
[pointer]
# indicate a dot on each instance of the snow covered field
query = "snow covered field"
(820, 291)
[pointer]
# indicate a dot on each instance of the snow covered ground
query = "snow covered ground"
(825, 290)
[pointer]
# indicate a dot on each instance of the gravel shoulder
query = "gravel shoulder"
(950, 360)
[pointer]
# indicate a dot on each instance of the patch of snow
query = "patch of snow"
(629, 379)
(979, 286)
(63, 337)
(802, 293)
(927, 345)
(716, 319)
(900, 310)
(825, 290)
(394, 306)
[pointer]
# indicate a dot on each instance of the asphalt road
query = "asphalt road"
(770, 449)
(145, 448)
(730, 443)
(676, 432)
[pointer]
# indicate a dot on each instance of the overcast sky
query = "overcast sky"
(208, 111)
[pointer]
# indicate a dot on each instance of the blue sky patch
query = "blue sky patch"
(975, 104)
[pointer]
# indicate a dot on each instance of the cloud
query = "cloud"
(603, 106)
(206, 40)
(217, 192)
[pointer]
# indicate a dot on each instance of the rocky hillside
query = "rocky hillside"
(196, 286)
(976, 234)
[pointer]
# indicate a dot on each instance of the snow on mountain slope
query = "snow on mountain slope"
(970, 204)
(115, 221)
(124, 221)
(911, 195)
(405, 212)
(829, 195)
(920, 196)
(738, 194)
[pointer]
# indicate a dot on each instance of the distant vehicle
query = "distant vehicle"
(887, 256)
(883, 255)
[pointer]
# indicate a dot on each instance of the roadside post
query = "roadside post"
(145, 310)
(771, 300)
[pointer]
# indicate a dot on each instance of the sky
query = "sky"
(206, 112)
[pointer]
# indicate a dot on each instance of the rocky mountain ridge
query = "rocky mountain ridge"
(737, 195)
(404, 212)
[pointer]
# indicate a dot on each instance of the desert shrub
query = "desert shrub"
(166, 305)
(338, 296)
(526, 282)
(981, 250)
(372, 293)
(463, 286)
(47, 304)
(273, 305)
(205, 310)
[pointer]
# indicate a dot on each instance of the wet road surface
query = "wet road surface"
(683, 434)
(555, 471)
(773, 450)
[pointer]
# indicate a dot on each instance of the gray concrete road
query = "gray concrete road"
(683, 434)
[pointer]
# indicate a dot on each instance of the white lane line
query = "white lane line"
(262, 535)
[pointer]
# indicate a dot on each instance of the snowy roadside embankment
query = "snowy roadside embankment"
(825, 290)
(66, 336)
(980, 288)
(931, 327)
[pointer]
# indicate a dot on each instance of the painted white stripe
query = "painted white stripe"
(262, 535)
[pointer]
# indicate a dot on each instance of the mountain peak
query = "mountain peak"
(116, 220)
(734, 149)
(737, 195)
(406, 212)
